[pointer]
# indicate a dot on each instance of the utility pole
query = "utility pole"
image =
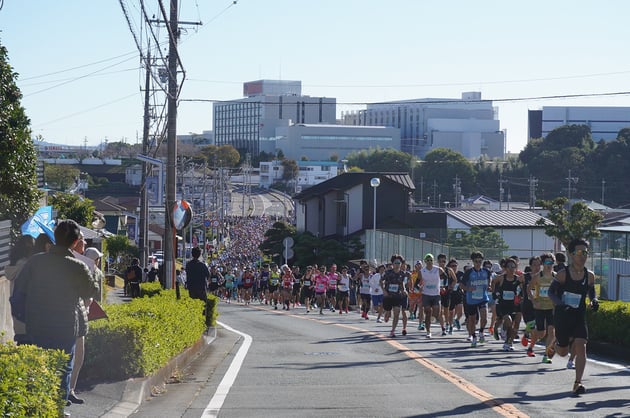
(603, 189)
(171, 171)
(501, 189)
(571, 180)
(533, 182)
(457, 189)
(143, 230)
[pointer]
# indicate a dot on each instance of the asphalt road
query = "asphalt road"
(294, 364)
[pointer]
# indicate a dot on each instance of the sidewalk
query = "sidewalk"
(121, 399)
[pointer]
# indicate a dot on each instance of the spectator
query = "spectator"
(133, 277)
(20, 253)
(42, 244)
(47, 292)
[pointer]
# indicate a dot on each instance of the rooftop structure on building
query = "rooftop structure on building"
(468, 125)
(605, 121)
(249, 124)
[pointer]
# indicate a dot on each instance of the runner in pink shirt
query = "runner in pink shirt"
(331, 293)
(321, 285)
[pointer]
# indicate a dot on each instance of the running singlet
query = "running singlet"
(478, 280)
(274, 279)
(332, 281)
(431, 281)
(508, 291)
(364, 288)
(541, 293)
(248, 280)
(321, 283)
(575, 291)
(344, 283)
(394, 282)
(287, 281)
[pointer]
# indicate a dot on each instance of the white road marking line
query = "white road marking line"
(215, 404)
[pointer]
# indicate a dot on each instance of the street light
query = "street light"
(375, 182)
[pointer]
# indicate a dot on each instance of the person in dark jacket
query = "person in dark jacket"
(197, 275)
(47, 292)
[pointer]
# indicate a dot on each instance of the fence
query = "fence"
(6, 322)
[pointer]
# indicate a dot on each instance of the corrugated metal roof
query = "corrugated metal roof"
(496, 218)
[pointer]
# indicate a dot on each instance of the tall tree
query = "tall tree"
(577, 221)
(72, 206)
(381, 160)
(18, 179)
(60, 176)
(439, 170)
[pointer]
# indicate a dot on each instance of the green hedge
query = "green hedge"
(141, 336)
(611, 323)
(28, 377)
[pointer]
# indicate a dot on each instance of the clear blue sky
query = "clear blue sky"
(79, 69)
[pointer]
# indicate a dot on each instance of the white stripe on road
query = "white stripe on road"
(215, 404)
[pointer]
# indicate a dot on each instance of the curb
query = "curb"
(140, 389)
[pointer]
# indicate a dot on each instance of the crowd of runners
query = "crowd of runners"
(438, 295)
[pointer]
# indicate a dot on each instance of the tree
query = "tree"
(576, 222)
(72, 206)
(440, 167)
(18, 178)
(381, 160)
(60, 176)
(117, 245)
(486, 240)
(272, 245)
(290, 170)
(222, 156)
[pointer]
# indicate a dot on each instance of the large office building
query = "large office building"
(249, 124)
(605, 121)
(468, 125)
(330, 142)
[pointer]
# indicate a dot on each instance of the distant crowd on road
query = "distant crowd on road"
(548, 296)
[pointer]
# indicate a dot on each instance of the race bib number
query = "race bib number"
(365, 288)
(508, 295)
(274, 282)
(321, 287)
(307, 282)
(477, 293)
(392, 288)
(543, 292)
(431, 287)
(572, 299)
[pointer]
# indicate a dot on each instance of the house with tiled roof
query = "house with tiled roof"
(518, 228)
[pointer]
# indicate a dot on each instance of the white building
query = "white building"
(249, 124)
(605, 121)
(468, 125)
(310, 173)
(321, 142)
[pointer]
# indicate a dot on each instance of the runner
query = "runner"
(297, 286)
(506, 293)
(287, 286)
(308, 288)
(538, 290)
(527, 307)
(343, 290)
(447, 283)
(331, 292)
(456, 306)
(475, 283)
(429, 278)
(274, 285)
(415, 295)
(263, 281)
(321, 285)
(376, 292)
(214, 281)
(568, 293)
(363, 278)
(393, 285)
(248, 284)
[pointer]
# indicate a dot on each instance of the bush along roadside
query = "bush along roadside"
(610, 324)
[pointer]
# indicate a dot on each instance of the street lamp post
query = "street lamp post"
(375, 182)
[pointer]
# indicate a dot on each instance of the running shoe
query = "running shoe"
(570, 364)
(421, 326)
(404, 331)
(457, 325)
(495, 332)
(546, 359)
(450, 330)
(392, 335)
(379, 320)
(412, 316)
(482, 339)
(428, 335)
(530, 353)
(507, 347)
(578, 388)
(473, 343)
(443, 332)
(524, 340)
(366, 317)
(491, 329)
(340, 312)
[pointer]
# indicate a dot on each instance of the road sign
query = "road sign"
(207, 223)
(288, 254)
(288, 242)
(215, 223)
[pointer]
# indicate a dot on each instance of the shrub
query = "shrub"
(29, 375)
(611, 323)
(141, 336)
